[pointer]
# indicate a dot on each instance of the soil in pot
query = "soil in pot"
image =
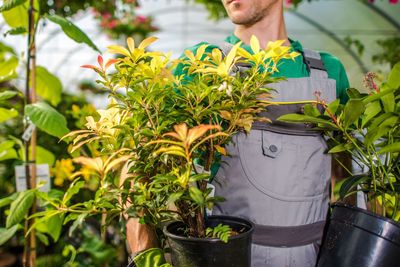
(211, 252)
(359, 238)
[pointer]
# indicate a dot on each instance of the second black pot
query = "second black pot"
(359, 238)
(211, 252)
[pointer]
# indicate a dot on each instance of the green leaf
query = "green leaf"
(8, 77)
(48, 86)
(392, 148)
(196, 195)
(375, 134)
(353, 93)
(8, 200)
(380, 126)
(72, 190)
(77, 223)
(350, 184)
(371, 111)
(47, 119)
(96, 248)
(6, 48)
(7, 150)
(16, 31)
(19, 207)
(387, 100)
(352, 111)
(394, 76)
(6, 114)
(72, 31)
(376, 96)
(299, 118)
(199, 177)
(70, 217)
(312, 111)
(7, 69)
(51, 225)
(340, 148)
(333, 106)
(9, 4)
(17, 16)
(6, 234)
(175, 196)
(7, 95)
(382, 120)
(43, 156)
(43, 238)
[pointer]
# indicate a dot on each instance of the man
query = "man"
(278, 176)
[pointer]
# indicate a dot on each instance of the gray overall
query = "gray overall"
(278, 176)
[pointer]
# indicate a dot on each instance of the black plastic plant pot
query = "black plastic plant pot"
(210, 252)
(359, 238)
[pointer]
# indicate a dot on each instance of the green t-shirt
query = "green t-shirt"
(296, 68)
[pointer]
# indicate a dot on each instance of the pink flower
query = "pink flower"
(106, 15)
(288, 3)
(392, 2)
(141, 19)
(112, 24)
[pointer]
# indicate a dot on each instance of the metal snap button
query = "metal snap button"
(273, 148)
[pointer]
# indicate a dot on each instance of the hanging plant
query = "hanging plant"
(124, 22)
(117, 18)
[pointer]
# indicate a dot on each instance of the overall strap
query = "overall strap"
(226, 48)
(312, 59)
(238, 67)
(314, 64)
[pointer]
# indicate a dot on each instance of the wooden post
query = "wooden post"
(29, 259)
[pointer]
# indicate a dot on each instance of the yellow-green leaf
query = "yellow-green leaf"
(116, 49)
(47, 119)
(10, 4)
(146, 42)
(392, 148)
(17, 16)
(48, 86)
(131, 44)
(254, 44)
(6, 114)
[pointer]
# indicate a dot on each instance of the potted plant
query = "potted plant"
(159, 124)
(368, 128)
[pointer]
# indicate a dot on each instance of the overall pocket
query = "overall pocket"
(285, 167)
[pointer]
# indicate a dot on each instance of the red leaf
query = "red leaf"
(110, 62)
(90, 67)
(100, 60)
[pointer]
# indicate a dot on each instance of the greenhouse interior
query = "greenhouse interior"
(188, 133)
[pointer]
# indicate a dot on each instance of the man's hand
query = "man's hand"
(140, 237)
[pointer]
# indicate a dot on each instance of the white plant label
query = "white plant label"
(28, 132)
(42, 177)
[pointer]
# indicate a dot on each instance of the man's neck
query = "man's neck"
(270, 28)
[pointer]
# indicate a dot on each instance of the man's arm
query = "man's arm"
(142, 239)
